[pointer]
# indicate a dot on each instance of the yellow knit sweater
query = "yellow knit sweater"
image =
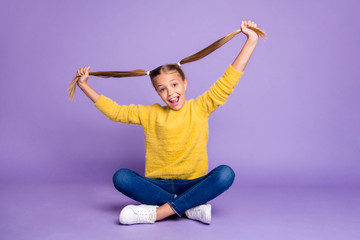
(175, 141)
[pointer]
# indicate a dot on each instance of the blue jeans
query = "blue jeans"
(180, 194)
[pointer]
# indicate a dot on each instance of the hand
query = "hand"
(83, 73)
(247, 31)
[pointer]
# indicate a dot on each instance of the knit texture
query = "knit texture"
(175, 141)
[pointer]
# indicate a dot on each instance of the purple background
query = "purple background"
(291, 129)
(293, 119)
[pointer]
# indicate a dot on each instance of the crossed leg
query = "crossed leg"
(173, 196)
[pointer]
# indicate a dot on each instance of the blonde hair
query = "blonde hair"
(165, 68)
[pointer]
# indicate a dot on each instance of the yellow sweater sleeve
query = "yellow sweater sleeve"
(119, 113)
(219, 91)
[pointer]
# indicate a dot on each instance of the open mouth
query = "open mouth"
(174, 100)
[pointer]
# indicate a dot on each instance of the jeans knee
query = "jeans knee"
(226, 176)
(121, 179)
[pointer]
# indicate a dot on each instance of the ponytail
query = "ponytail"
(140, 72)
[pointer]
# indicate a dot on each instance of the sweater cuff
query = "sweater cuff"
(101, 102)
(231, 76)
(233, 72)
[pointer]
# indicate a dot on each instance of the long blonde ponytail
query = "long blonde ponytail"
(140, 72)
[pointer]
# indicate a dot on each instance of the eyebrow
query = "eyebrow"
(170, 81)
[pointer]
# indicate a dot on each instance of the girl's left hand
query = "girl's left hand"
(247, 31)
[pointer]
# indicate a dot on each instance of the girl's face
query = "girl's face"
(171, 88)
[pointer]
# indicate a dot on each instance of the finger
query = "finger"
(244, 24)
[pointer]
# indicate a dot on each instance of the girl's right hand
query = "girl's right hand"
(83, 73)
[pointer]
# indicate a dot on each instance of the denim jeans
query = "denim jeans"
(180, 194)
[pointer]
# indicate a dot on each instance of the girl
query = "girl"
(176, 179)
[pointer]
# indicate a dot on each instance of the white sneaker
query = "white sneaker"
(132, 214)
(201, 213)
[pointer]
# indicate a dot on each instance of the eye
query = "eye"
(175, 84)
(162, 89)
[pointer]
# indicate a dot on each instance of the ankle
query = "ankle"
(164, 211)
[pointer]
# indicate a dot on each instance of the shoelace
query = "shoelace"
(145, 214)
(195, 212)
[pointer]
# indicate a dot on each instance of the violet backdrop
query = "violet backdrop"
(293, 119)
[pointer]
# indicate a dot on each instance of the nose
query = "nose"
(170, 92)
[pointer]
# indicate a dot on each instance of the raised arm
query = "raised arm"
(242, 59)
(115, 112)
(219, 92)
(82, 83)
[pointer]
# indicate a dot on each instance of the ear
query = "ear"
(185, 83)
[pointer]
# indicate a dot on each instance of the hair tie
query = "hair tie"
(148, 73)
(179, 64)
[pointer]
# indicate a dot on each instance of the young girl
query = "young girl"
(176, 179)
